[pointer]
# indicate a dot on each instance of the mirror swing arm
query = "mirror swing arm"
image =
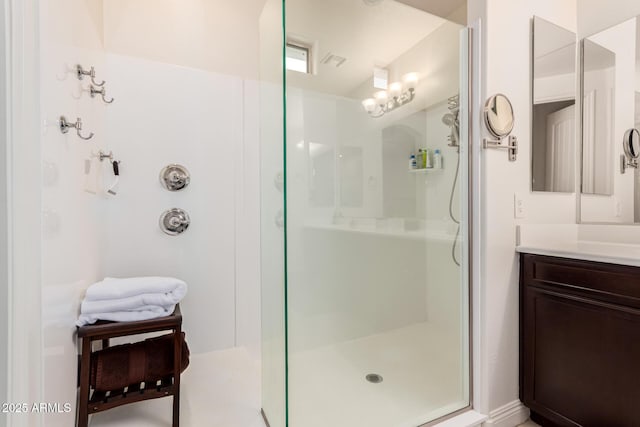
(499, 120)
(512, 146)
(624, 163)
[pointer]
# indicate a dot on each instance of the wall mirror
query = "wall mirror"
(599, 91)
(610, 70)
(553, 146)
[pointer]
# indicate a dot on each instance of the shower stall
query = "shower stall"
(364, 213)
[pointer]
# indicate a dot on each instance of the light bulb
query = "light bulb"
(369, 104)
(410, 80)
(381, 97)
(395, 89)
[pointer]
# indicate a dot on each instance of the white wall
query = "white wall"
(506, 68)
(596, 15)
(215, 35)
(72, 219)
(217, 43)
(4, 227)
(196, 121)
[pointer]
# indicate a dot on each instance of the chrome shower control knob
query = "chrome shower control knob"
(174, 177)
(174, 221)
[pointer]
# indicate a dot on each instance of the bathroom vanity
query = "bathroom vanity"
(579, 341)
(580, 283)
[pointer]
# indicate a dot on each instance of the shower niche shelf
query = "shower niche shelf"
(426, 170)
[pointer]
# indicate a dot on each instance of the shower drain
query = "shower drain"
(374, 378)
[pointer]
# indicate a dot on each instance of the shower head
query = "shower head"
(449, 120)
(372, 2)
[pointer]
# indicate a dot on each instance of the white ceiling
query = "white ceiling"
(367, 36)
(443, 8)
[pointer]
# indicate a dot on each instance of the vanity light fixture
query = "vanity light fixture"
(396, 95)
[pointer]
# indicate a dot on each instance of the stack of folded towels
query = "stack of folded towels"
(131, 299)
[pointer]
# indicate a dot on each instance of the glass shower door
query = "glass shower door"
(373, 279)
(377, 309)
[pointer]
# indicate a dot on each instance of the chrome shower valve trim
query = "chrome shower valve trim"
(174, 177)
(174, 221)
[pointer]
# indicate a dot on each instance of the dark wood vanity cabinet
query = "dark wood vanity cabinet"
(579, 342)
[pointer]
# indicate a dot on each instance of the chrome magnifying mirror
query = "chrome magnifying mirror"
(499, 120)
(631, 146)
(498, 115)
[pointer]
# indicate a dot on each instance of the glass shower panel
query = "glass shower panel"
(376, 279)
(272, 215)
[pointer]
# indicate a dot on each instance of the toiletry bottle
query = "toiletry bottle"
(420, 159)
(427, 158)
(412, 162)
(437, 159)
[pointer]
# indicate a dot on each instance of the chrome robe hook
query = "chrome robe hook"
(81, 72)
(102, 92)
(65, 125)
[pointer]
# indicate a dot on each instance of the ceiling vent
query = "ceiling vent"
(335, 60)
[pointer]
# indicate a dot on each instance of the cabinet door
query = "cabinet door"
(580, 359)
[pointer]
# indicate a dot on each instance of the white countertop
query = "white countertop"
(584, 242)
(612, 253)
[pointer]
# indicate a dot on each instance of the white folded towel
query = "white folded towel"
(111, 288)
(137, 303)
(125, 316)
(131, 299)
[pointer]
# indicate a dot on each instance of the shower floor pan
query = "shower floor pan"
(421, 370)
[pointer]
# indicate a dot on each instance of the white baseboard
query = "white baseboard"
(510, 415)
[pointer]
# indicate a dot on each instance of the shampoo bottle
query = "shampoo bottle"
(412, 162)
(437, 159)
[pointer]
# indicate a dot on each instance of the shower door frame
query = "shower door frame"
(478, 370)
(474, 412)
(477, 411)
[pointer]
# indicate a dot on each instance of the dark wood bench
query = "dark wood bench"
(91, 401)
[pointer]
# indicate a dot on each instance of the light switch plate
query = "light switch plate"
(519, 207)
